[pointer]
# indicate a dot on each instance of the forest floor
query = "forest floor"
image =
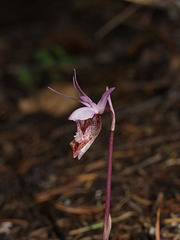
(45, 194)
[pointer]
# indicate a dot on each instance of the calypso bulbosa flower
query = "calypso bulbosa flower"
(88, 121)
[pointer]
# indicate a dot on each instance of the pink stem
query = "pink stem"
(107, 221)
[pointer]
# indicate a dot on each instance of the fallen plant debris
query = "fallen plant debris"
(140, 57)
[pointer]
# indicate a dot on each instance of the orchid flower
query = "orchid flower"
(88, 121)
(88, 118)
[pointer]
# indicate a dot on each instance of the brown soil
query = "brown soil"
(45, 194)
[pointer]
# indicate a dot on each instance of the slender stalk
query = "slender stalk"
(107, 218)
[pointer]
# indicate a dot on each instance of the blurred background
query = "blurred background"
(131, 45)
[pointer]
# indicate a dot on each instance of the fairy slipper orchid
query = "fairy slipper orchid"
(88, 121)
(88, 118)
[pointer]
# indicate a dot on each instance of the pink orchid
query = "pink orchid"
(88, 118)
(88, 121)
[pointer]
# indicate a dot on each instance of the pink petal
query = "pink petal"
(82, 113)
(112, 112)
(103, 101)
(89, 102)
(84, 103)
(65, 95)
(81, 93)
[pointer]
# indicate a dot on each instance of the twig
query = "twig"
(171, 220)
(140, 200)
(158, 225)
(78, 210)
(15, 221)
(117, 20)
(48, 194)
(142, 164)
(99, 225)
(149, 142)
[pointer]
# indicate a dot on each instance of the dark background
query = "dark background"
(131, 45)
